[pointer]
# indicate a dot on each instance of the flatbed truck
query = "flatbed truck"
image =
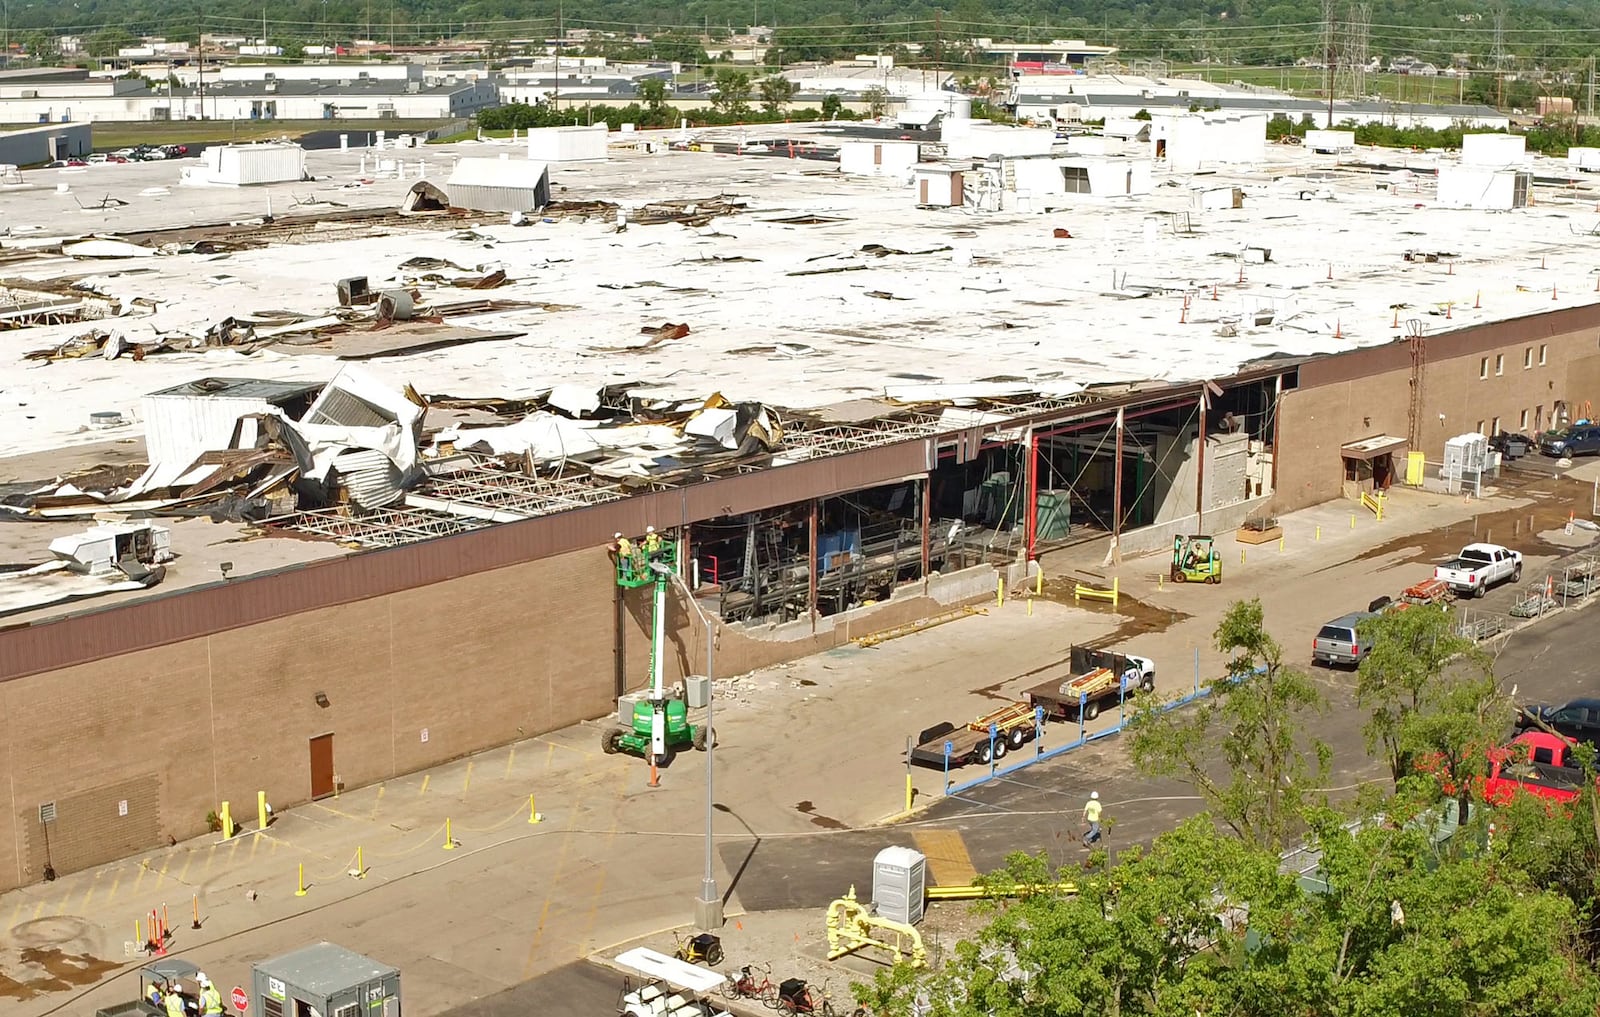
(1098, 677)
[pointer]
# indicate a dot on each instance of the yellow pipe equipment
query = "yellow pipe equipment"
(851, 927)
(970, 892)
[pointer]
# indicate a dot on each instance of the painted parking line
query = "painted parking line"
(947, 856)
(511, 758)
(425, 778)
(467, 783)
(88, 894)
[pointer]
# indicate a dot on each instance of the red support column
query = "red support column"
(1033, 496)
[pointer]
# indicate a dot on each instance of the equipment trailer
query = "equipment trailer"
(1014, 726)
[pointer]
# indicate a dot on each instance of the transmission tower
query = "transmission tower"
(1330, 57)
(1351, 81)
(1498, 57)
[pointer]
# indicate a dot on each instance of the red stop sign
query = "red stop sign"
(241, 1001)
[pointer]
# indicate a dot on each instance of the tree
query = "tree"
(1256, 718)
(776, 93)
(43, 48)
(733, 92)
(876, 99)
(107, 41)
(1410, 650)
(1130, 940)
(831, 105)
(653, 93)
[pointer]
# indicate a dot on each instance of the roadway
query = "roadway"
(1040, 808)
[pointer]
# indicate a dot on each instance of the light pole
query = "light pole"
(708, 908)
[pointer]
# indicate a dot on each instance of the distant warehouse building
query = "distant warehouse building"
(337, 93)
(48, 142)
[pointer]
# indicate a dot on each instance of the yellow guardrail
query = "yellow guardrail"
(1374, 502)
(1082, 592)
(883, 636)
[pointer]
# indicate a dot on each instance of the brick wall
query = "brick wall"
(476, 662)
(1471, 379)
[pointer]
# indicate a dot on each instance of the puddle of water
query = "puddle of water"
(1555, 500)
(58, 971)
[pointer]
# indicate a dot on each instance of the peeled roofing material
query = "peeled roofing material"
(1144, 290)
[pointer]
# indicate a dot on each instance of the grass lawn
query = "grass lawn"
(111, 135)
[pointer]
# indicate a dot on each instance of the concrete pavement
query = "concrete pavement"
(811, 753)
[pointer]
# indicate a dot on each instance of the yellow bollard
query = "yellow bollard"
(1030, 607)
(138, 932)
(227, 822)
(1038, 582)
(449, 841)
(1241, 556)
(533, 813)
(361, 865)
(1280, 545)
(1116, 590)
(1161, 580)
(261, 808)
(910, 793)
(301, 892)
(1000, 591)
(1352, 520)
(1319, 533)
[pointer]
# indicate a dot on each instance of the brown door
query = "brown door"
(924, 200)
(322, 766)
(877, 155)
(956, 197)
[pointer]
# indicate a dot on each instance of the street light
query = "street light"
(708, 908)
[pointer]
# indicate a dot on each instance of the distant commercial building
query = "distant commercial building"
(46, 143)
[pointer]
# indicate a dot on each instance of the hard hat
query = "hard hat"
(205, 982)
(1094, 796)
(616, 536)
(649, 529)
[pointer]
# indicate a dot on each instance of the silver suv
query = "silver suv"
(1338, 642)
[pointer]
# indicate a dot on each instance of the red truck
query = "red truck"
(1537, 762)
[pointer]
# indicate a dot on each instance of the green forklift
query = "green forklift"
(661, 721)
(1195, 560)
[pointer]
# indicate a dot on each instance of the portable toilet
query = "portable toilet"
(899, 884)
(326, 980)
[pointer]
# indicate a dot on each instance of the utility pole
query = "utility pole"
(555, 99)
(1499, 57)
(938, 48)
(200, 56)
(1327, 53)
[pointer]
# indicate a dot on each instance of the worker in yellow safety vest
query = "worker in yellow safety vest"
(174, 1002)
(210, 998)
(652, 543)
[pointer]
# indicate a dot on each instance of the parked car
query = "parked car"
(1578, 719)
(65, 163)
(1340, 641)
(1577, 440)
(1478, 567)
(1511, 445)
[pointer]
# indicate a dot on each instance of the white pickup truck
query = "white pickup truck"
(1479, 566)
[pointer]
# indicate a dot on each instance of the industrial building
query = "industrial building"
(850, 409)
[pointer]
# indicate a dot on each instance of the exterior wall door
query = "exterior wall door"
(923, 191)
(322, 766)
(956, 197)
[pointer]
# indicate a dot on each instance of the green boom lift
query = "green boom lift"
(660, 722)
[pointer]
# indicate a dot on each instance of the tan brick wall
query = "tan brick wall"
(1474, 386)
(478, 661)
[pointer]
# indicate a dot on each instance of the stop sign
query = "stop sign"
(241, 1002)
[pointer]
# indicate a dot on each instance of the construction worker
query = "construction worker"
(652, 543)
(154, 995)
(1091, 816)
(174, 1003)
(210, 998)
